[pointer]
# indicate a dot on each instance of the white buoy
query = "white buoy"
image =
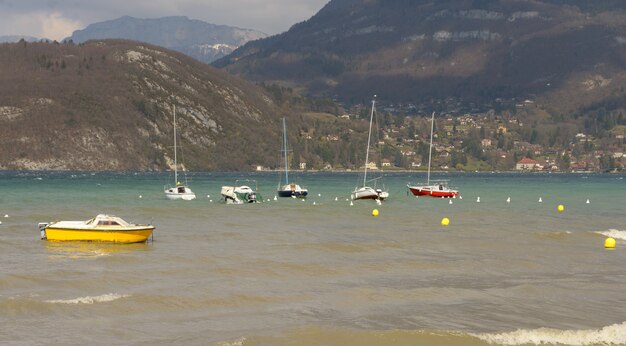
(540, 200)
(588, 201)
(303, 200)
(450, 202)
(208, 196)
(140, 196)
(293, 196)
(313, 203)
(210, 201)
(0, 222)
(508, 200)
(460, 197)
(319, 195)
(347, 199)
(6, 215)
(351, 204)
(478, 200)
(336, 198)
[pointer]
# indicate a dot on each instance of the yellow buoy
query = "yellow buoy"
(560, 208)
(375, 212)
(445, 221)
(609, 243)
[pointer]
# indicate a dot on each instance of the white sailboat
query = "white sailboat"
(289, 189)
(432, 188)
(367, 192)
(179, 190)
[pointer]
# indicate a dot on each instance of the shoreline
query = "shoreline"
(3, 171)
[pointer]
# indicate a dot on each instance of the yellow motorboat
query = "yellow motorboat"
(106, 228)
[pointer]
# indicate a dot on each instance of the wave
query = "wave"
(613, 233)
(316, 335)
(610, 335)
(555, 234)
(239, 342)
(90, 300)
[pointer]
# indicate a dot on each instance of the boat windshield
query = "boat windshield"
(108, 220)
(107, 223)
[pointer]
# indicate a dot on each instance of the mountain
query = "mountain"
(452, 55)
(203, 41)
(108, 105)
(16, 38)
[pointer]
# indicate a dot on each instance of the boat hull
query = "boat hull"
(289, 193)
(179, 196)
(433, 192)
(137, 235)
(369, 193)
(180, 192)
(292, 190)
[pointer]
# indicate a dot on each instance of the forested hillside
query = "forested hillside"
(457, 56)
(108, 105)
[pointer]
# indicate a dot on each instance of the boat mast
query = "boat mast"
(285, 151)
(430, 152)
(175, 163)
(369, 136)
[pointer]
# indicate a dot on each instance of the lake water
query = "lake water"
(318, 271)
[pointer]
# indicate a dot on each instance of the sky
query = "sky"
(57, 19)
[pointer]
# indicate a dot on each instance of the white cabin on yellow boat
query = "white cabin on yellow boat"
(107, 228)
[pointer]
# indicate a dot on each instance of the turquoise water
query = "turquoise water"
(296, 272)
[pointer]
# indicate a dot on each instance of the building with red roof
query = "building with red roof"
(527, 164)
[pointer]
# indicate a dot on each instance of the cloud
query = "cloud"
(56, 19)
(56, 27)
(50, 25)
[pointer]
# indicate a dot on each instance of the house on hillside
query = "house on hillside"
(372, 166)
(527, 164)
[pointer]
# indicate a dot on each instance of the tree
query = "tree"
(472, 146)
(295, 158)
(424, 150)
(458, 158)
(607, 163)
(564, 161)
(411, 130)
(533, 136)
